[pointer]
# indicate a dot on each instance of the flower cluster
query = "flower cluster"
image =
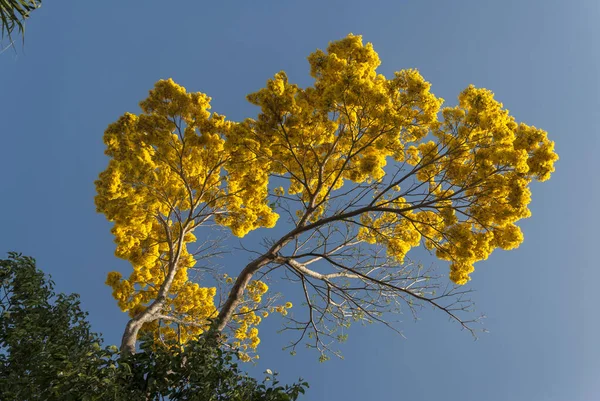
(254, 307)
(165, 179)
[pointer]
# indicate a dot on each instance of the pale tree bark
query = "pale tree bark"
(130, 335)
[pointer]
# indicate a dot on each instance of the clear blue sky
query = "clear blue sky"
(87, 62)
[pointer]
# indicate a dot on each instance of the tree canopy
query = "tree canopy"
(48, 352)
(358, 168)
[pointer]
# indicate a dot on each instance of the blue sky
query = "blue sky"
(86, 63)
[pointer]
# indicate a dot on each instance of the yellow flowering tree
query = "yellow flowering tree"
(363, 168)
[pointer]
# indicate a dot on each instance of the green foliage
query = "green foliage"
(13, 14)
(48, 352)
(201, 370)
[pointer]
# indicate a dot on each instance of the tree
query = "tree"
(363, 168)
(13, 14)
(48, 352)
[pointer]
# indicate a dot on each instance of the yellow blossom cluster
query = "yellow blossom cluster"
(163, 180)
(344, 127)
(249, 316)
(475, 164)
(491, 160)
(480, 169)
